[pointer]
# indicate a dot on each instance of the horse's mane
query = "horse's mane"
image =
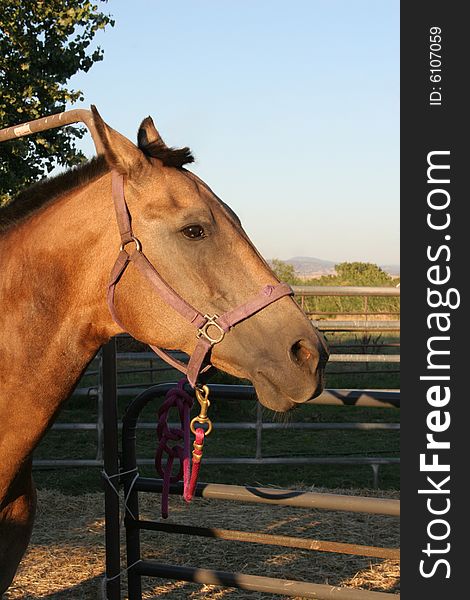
(44, 192)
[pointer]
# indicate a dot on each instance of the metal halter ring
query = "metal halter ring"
(203, 331)
(202, 421)
(138, 245)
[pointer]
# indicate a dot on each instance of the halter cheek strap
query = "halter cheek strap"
(211, 329)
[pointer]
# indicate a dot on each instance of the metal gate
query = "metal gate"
(123, 473)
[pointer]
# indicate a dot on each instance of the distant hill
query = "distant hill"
(308, 266)
(393, 270)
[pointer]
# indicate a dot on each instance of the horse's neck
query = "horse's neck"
(53, 315)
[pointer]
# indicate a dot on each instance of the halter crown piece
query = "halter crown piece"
(210, 330)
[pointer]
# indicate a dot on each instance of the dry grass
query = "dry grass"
(66, 556)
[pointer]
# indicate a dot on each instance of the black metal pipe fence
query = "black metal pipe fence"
(332, 397)
(138, 567)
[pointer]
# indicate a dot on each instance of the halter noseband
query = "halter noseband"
(211, 329)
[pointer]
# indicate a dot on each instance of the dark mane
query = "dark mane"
(46, 191)
(170, 157)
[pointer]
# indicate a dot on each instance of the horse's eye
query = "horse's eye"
(193, 232)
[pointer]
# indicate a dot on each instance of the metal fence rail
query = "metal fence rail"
(344, 290)
(279, 497)
(256, 583)
(269, 539)
(69, 117)
(354, 325)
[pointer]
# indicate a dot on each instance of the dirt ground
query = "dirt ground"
(65, 559)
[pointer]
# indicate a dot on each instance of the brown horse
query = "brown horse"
(58, 243)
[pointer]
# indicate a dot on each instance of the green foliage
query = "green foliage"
(355, 274)
(359, 273)
(42, 45)
(347, 274)
(284, 271)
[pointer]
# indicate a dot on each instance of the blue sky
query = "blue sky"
(291, 109)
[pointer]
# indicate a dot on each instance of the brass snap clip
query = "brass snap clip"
(215, 337)
(202, 396)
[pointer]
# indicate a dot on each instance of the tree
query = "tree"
(353, 274)
(360, 273)
(42, 44)
(284, 271)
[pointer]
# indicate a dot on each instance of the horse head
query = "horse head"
(199, 248)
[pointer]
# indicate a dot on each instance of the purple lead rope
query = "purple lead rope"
(177, 398)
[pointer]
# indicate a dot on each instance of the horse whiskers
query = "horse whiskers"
(285, 417)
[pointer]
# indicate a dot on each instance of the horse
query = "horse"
(58, 245)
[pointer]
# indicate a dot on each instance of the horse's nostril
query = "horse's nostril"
(300, 353)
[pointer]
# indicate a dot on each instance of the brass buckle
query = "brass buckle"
(138, 245)
(203, 331)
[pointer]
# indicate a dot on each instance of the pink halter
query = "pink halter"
(211, 329)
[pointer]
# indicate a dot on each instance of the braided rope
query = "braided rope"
(177, 398)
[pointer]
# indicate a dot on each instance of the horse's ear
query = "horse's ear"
(148, 134)
(120, 153)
